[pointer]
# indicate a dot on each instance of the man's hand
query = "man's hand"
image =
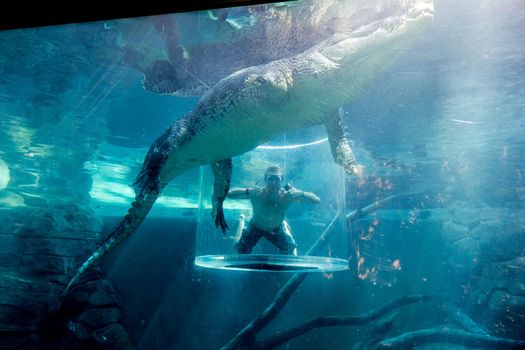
(294, 193)
(301, 196)
(355, 169)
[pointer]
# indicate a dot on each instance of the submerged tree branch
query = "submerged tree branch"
(362, 212)
(463, 319)
(246, 337)
(449, 335)
(318, 322)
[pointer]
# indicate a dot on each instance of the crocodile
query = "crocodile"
(257, 103)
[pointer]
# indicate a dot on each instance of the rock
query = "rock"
(52, 223)
(44, 265)
(19, 318)
(453, 231)
(23, 301)
(19, 340)
(441, 346)
(466, 215)
(506, 311)
(474, 224)
(97, 318)
(90, 295)
(499, 239)
(464, 257)
(25, 285)
(113, 337)
(79, 331)
(56, 246)
(499, 297)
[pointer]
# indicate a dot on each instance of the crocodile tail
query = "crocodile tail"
(136, 215)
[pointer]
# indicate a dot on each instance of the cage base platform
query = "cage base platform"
(272, 263)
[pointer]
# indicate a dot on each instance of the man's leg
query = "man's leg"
(249, 238)
(284, 240)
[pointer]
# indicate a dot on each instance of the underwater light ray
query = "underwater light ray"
(99, 97)
(5, 176)
(294, 146)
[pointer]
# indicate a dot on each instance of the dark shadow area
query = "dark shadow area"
(158, 256)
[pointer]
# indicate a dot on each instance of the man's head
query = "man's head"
(273, 176)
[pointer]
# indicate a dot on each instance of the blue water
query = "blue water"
(443, 126)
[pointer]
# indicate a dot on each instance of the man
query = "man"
(269, 207)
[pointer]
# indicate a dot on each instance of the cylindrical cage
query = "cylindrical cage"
(308, 172)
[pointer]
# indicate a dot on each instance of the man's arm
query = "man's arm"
(303, 196)
(239, 193)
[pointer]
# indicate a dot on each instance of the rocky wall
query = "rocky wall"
(52, 119)
(40, 246)
(487, 254)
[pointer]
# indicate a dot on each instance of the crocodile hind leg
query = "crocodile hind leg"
(339, 145)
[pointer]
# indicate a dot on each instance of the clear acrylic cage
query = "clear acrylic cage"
(307, 163)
